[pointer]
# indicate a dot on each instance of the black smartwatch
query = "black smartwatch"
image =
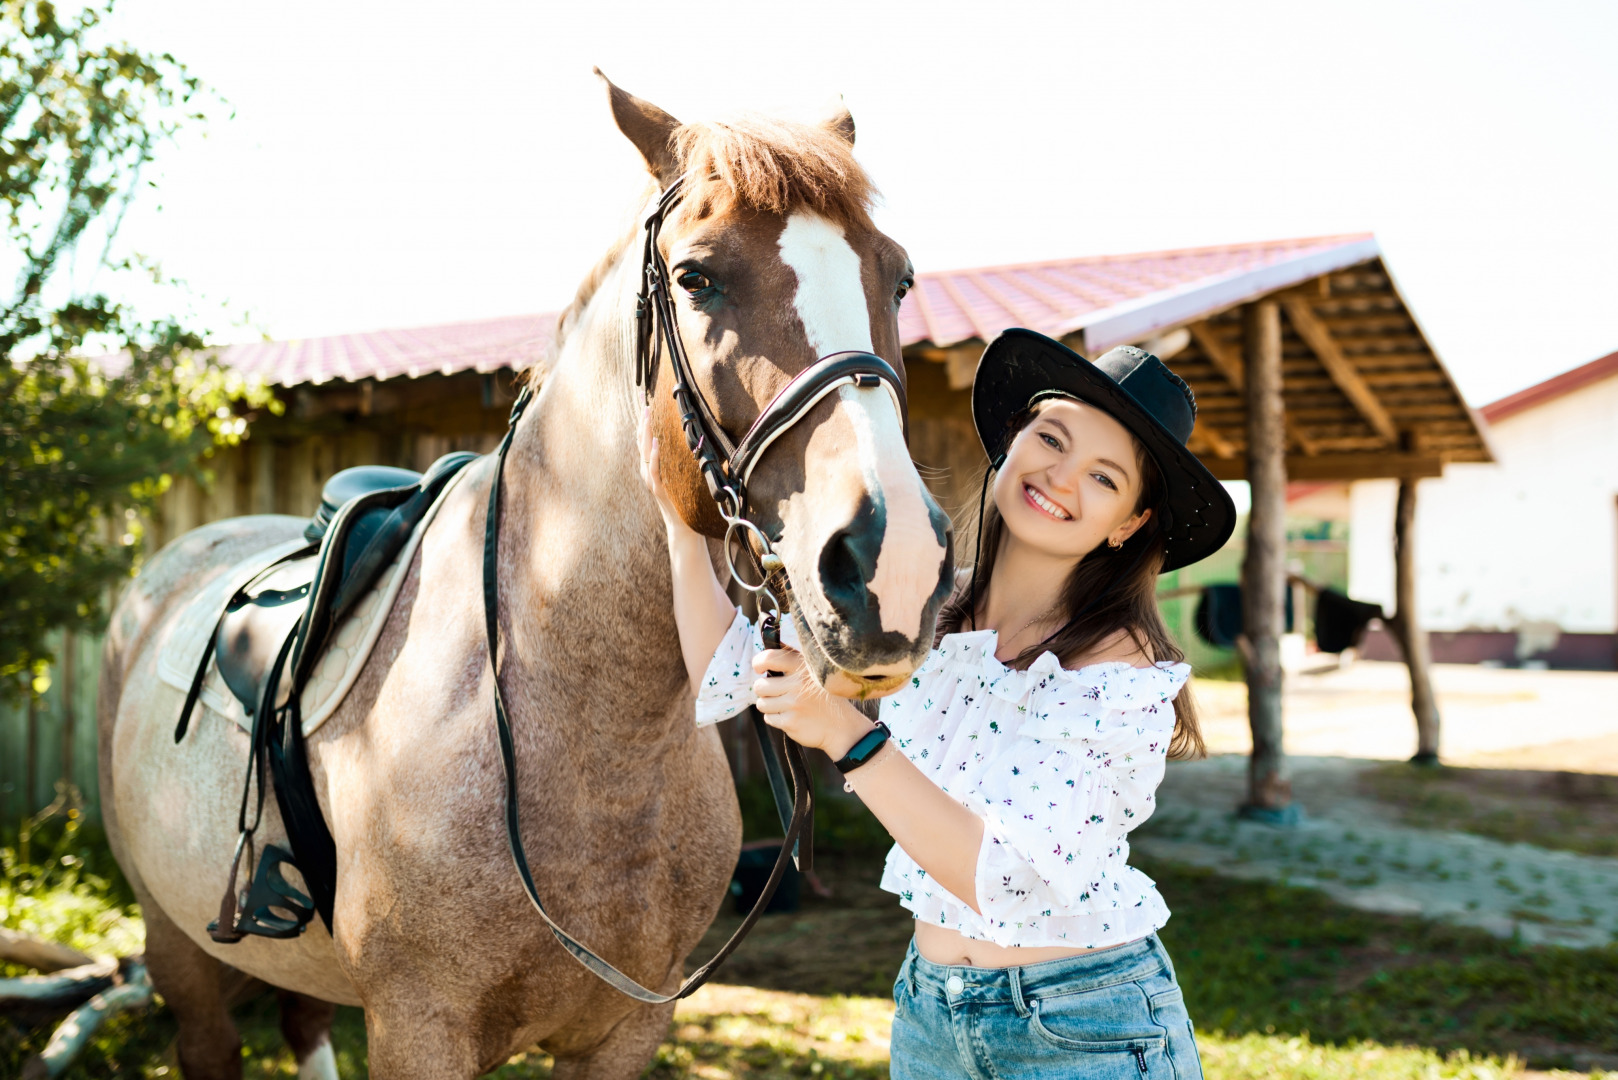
(864, 750)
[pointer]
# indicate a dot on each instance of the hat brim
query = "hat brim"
(1020, 364)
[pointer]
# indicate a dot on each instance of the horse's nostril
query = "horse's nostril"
(841, 574)
(873, 678)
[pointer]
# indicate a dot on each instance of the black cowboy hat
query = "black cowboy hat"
(1140, 392)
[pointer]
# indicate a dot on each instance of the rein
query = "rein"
(726, 466)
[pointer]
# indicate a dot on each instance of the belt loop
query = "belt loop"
(907, 970)
(1015, 975)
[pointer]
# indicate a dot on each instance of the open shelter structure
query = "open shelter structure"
(1306, 363)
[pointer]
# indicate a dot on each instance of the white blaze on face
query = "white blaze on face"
(831, 297)
(907, 566)
(831, 304)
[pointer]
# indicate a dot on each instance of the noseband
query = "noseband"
(726, 467)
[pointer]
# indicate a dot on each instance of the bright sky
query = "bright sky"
(400, 164)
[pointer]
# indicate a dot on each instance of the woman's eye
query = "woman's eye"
(691, 281)
(1051, 441)
(1106, 481)
(904, 287)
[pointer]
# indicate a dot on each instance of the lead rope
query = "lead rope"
(508, 760)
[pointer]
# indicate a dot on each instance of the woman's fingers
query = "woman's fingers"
(786, 661)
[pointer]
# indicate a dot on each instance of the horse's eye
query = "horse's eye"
(904, 286)
(691, 281)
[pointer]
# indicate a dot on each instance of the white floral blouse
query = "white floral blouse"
(1060, 765)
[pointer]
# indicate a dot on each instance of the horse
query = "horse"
(630, 817)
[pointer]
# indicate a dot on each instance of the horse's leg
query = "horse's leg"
(424, 1039)
(191, 984)
(626, 1051)
(306, 1026)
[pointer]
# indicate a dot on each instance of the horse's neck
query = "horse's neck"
(591, 553)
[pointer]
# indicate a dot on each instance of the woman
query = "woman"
(1032, 739)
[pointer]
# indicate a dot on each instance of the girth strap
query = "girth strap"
(801, 804)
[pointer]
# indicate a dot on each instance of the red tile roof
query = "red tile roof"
(1554, 387)
(486, 345)
(1111, 299)
(1115, 298)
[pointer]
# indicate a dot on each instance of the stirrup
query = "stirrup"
(270, 890)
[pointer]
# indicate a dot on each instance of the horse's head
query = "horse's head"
(773, 263)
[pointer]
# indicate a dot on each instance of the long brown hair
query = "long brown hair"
(1110, 590)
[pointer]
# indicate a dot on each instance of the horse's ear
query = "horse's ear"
(648, 127)
(840, 122)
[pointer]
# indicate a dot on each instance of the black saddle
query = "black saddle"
(366, 517)
(267, 643)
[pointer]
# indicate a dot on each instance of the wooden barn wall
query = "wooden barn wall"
(944, 444)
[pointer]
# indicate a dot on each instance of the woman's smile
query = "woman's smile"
(1043, 503)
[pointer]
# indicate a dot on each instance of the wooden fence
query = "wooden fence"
(52, 738)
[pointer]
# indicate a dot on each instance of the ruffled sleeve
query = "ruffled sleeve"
(727, 685)
(1082, 772)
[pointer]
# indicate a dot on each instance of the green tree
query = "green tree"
(86, 445)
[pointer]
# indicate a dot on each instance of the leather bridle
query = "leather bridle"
(726, 466)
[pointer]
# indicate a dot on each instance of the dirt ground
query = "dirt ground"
(1491, 717)
(851, 943)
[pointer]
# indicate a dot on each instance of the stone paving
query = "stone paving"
(1352, 849)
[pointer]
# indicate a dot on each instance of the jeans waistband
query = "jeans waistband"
(1087, 971)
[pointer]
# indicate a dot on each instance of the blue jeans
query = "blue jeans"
(1110, 1015)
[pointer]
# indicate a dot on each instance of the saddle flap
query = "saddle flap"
(256, 625)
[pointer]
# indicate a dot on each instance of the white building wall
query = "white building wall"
(1531, 539)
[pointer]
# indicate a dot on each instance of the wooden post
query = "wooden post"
(1264, 579)
(1407, 626)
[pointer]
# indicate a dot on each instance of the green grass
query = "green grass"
(1568, 811)
(58, 881)
(1260, 958)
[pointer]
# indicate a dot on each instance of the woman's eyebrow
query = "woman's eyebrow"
(1114, 465)
(1058, 424)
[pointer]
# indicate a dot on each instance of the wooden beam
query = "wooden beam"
(1219, 446)
(1219, 355)
(1264, 569)
(1339, 367)
(1340, 467)
(1228, 364)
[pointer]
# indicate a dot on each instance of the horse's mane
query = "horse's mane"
(752, 162)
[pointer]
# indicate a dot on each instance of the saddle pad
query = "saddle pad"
(345, 656)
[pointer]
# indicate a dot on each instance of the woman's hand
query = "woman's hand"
(793, 702)
(652, 478)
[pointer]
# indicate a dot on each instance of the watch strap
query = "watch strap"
(864, 750)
